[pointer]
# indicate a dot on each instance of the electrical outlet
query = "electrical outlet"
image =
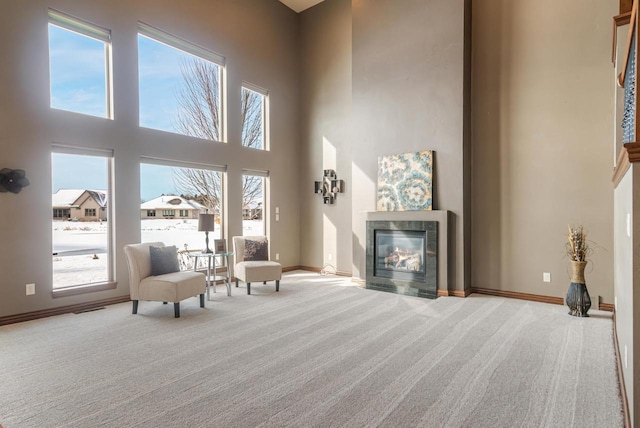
(277, 217)
(546, 276)
(329, 256)
(31, 289)
(277, 256)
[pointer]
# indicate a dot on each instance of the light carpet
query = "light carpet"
(321, 352)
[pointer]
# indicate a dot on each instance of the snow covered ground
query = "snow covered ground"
(80, 248)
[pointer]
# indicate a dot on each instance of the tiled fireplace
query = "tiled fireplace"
(402, 256)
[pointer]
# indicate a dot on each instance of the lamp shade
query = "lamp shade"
(206, 223)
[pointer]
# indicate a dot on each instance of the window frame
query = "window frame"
(265, 208)
(217, 168)
(92, 31)
(265, 113)
(194, 49)
(110, 283)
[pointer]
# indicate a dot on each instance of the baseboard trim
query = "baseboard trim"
(454, 293)
(520, 296)
(623, 390)
(533, 297)
(319, 270)
(29, 316)
(607, 307)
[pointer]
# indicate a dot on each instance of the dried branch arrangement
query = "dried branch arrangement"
(578, 248)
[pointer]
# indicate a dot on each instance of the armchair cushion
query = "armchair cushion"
(256, 250)
(172, 287)
(163, 260)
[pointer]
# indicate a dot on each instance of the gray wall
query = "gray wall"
(542, 118)
(259, 40)
(408, 95)
(325, 33)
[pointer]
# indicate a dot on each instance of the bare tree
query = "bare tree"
(202, 185)
(199, 116)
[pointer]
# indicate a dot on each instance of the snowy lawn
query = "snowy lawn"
(80, 248)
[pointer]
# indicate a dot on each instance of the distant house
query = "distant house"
(171, 206)
(252, 211)
(79, 204)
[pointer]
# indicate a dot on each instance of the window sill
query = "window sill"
(83, 289)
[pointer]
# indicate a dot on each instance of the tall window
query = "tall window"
(253, 203)
(181, 85)
(171, 189)
(79, 66)
(254, 117)
(80, 224)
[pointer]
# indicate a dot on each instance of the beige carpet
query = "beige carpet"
(318, 353)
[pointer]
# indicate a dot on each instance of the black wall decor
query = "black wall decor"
(12, 180)
(329, 186)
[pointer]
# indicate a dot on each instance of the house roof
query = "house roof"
(69, 197)
(171, 202)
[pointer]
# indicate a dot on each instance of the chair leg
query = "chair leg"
(176, 309)
(248, 288)
(277, 285)
(236, 282)
(202, 300)
(135, 307)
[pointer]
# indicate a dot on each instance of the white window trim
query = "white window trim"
(182, 164)
(181, 44)
(255, 172)
(79, 26)
(190, 48)
(108, 155)
(265, 111)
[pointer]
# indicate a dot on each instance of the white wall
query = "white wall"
(627, 283)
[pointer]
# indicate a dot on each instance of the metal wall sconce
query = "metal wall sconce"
(12, 180)
(329, 186)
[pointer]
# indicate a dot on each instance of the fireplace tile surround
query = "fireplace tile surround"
(435, 224)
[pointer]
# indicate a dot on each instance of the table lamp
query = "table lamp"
(206, 224)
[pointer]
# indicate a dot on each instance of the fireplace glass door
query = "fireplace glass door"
(400, 254)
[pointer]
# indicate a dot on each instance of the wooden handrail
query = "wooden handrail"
(618, 21)
(632, 27)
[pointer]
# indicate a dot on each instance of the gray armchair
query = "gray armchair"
(252, 261)
(169, 287)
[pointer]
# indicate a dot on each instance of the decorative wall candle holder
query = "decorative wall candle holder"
(12, 180)
(329, 186)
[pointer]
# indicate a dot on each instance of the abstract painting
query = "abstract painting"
(405, 182)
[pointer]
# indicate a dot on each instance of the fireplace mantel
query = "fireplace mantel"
(443, 219)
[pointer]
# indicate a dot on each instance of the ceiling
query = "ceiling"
(300, 5)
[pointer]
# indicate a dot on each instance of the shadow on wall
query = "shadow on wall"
(490, 110)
